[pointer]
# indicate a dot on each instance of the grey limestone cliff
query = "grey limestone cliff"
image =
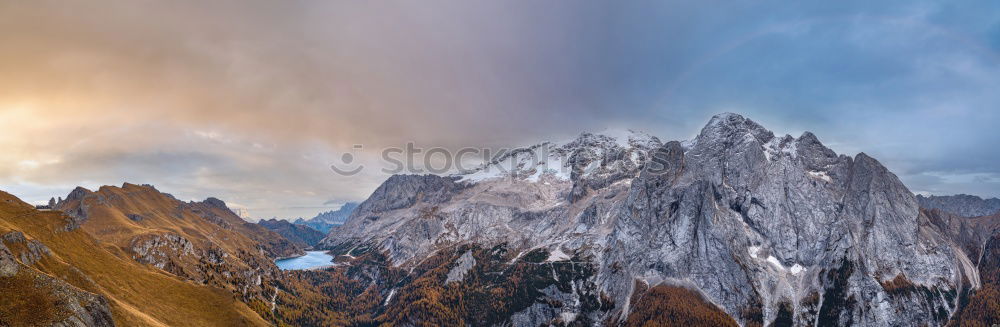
(754, 221)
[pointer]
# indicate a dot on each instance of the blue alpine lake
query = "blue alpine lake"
(312, 259)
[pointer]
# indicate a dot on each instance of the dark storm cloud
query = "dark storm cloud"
(252, 100)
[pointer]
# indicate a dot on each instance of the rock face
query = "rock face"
(465, 262)
(326, 220)
(31, 250)
(302, 235)
(763, 226)
(962, 204)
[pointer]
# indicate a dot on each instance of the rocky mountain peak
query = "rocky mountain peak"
(401, 191)
(609, 138)
(733, 128)
(138, 187)
(78, 193)
(216, 203)
(808, 137)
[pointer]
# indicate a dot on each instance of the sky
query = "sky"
(252, 101)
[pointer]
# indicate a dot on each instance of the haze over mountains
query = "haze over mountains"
(326, 220)
(737, 226)
(309, 232)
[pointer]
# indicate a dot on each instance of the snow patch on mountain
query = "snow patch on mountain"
(821, 175)
(559, 159)
(557, 255)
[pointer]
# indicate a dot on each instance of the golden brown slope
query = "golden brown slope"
(29, 297)
(138, 294)
(203, 242)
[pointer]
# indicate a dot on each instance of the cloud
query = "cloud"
(251, 101)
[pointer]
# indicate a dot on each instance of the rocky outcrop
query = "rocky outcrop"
(73, 207)
(27, 251)
(962, 204)
(8, 264)
(766, 227)
(206, 264)
(160, 250)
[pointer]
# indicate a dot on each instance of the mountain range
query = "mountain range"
(770, 230)
(735, 227)
(326, 220)
(962, 204)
